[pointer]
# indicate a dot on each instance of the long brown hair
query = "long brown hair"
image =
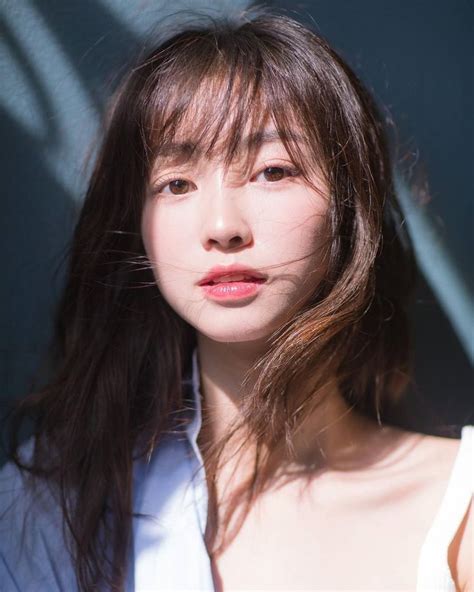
(120, 350)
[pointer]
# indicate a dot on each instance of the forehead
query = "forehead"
(223, 118)
(184, 149)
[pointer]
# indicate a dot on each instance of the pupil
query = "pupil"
(274, 173)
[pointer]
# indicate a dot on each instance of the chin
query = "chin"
(231, 336)
(237, 332)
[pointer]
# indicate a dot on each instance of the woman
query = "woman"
(230, 344)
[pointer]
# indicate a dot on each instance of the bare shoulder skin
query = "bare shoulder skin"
(360, 528)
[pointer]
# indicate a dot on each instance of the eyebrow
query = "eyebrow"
(187, 150)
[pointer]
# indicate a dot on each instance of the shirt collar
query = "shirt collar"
(194, 426)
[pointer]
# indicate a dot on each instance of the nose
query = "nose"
(224, 223)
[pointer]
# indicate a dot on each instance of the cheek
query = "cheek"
(296, 226)
(167, 242)
(302, 243)
(164, 237)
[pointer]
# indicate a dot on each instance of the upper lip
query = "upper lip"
(236, 269)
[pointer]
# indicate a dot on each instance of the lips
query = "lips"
(235, 278)
(232, 273)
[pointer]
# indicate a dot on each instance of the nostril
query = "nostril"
(236, 239)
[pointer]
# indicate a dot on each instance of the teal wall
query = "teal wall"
(416, 57)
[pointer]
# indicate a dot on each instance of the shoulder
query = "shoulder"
(453, 458)
(446, 464)
(428, 457)
(33, 555)
(439, 454)
(461, 549)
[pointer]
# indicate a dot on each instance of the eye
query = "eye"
(176, 187)
(276, 173)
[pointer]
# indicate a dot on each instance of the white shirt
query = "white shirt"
(168, 550)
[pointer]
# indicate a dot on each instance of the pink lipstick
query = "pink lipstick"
(232, 282)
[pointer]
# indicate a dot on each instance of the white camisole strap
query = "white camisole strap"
(433, 570)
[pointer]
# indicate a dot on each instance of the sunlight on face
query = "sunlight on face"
(200, 215)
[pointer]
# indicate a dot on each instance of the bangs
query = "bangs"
(217, 99)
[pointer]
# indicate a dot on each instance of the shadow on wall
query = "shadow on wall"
(56, 75)
(59, 64)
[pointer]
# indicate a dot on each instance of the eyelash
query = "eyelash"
(288, 172)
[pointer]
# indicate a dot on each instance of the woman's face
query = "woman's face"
(200, 215)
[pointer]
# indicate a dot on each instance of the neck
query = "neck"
(331, 435)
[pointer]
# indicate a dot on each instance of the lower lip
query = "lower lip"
(232, 290)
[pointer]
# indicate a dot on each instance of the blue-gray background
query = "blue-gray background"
(59, 63)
